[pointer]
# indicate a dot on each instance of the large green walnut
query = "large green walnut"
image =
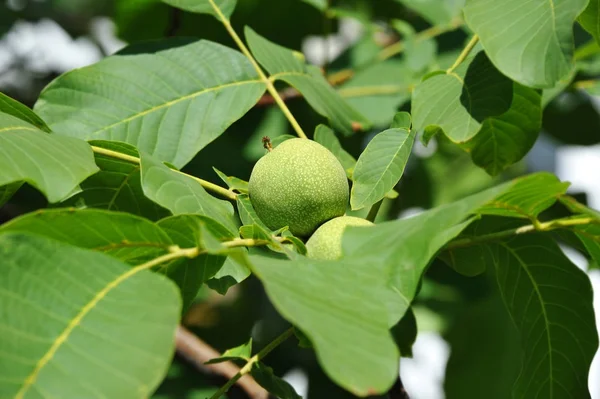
(299, 184)
(326, 242)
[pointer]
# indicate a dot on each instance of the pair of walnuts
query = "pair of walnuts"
(302, 185)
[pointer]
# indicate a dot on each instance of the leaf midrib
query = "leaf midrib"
(176, 101)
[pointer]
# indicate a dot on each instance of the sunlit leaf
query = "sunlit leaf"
(242, 352)
(230, 274)
(181, 194)
(13, 107)
(284, 64)
(168, 103)
(247, 212)
(530, 41)
(338, 306)
(380, 166)
(529, 196)
(77, 331)
(233, 182)
(53, 164)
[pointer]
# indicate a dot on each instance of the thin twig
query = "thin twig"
(535, 227)
(229, 194)
(198, 352)
(270, 87)
(464, 54)
(253, 360)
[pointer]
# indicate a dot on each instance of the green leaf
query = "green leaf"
(242, 352)
(284, 64)
(13, 107)
(485, 353)
(528, 197)
(378, 90)
(233, 182)
(405, 247)
(530, 41)
(230, 274)
(213, 7)
(380, 166)
(117, 186)
(494, 118)
(320, 5)
(402, 120)
(187, 232)
(326, 137)
(590, 19)
(437, 12)
(405, 333)
(6, 192)
(181, 194)
(550, 301)
(247, 212)
(505, 140)
(276, 386)
(169, 103)
(350, 333)
(53, 164)
(111, 336)
(126, 237)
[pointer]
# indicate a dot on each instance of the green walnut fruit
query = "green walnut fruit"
(299, 184)
(326, 242)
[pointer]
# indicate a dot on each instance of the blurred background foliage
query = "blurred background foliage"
(41, 39)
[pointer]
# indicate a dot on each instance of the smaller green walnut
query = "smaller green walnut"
(326, 242)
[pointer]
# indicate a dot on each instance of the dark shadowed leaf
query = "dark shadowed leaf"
(380, 166)
(495, 119)
(326, 137)
(230, 274)
(590, 19)
(530, 41)
(72, 327)
(550, 301)
(117, 187)
(187, 232)
(289, 66)
(167, 103)
(276, 386)
(6, 192)
(53, 164)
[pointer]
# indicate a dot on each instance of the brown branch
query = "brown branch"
(198, 352)
(285, 94)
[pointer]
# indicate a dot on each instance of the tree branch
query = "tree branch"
(536, 227)
(199, 352)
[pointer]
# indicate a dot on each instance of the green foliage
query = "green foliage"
(65, 337)
(143, 227)
(380, 167)
(537, 57)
